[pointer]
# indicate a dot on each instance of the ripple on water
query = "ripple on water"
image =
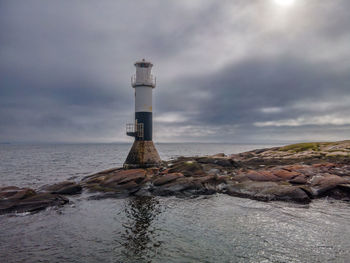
(215, 228)
(212, 229)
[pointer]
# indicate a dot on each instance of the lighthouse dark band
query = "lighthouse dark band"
(146, 119)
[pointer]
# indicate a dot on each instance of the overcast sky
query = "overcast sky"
(227, 71)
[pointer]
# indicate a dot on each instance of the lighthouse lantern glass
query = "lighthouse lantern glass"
(143, 73)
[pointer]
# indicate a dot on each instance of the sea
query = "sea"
(216, 228)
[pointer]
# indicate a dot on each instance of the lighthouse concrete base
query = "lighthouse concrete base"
(143, 154)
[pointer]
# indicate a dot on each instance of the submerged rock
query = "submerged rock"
(20, 200)
(63, 188)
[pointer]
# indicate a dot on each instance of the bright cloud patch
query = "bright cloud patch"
(303, 121)
(171, 117)
(271, 110)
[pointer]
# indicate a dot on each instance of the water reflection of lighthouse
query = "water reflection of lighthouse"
(140, 238)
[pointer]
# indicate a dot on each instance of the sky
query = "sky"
(232, 71)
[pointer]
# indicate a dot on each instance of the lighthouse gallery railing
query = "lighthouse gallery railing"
(135, 130)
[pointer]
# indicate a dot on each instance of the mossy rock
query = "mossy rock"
(301, 147)
(223, 162)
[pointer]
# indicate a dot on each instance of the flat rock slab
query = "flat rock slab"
(268, 191)
(19, 200)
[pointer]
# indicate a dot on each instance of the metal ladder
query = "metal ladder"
(140, 131)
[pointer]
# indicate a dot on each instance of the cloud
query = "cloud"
(226, 70)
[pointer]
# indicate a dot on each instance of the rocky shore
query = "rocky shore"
(293, 173)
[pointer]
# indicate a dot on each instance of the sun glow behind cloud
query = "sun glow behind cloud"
(284, 3)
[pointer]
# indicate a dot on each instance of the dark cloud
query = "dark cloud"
(227, 70)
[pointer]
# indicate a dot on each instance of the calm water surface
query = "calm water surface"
(215, 228)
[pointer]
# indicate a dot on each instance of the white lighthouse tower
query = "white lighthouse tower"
(143, 152)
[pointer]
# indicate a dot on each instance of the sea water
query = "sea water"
(215, 228)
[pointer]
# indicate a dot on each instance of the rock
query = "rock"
(136, 177)
(106, 195)
(259, 151)
(285, 174)
(152, 171)
(64, 188)
(174, 187)
(167, 178)
(165, 171)
(218, 155)
(214, 171)
(188, 186)
(345, 187)
(118, 180)
(124, 176)
(224, 162)
(295, 167)
(187, 168)
(145, 190)
(143, 193)
(268, 191)
(129, 187)
(320, 185)
(289, 193)
(213, 179)
(339, 194)
(15, 193)
(324, 165)
(307, 190)
(251, 189)
(259, 176)
(262, 176)
(337, 154)
(300, 179)
(100, 175)
(20, 200)
(241, 177)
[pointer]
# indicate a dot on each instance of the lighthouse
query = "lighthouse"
(143, 153)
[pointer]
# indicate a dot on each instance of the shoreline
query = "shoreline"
(293, 173)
